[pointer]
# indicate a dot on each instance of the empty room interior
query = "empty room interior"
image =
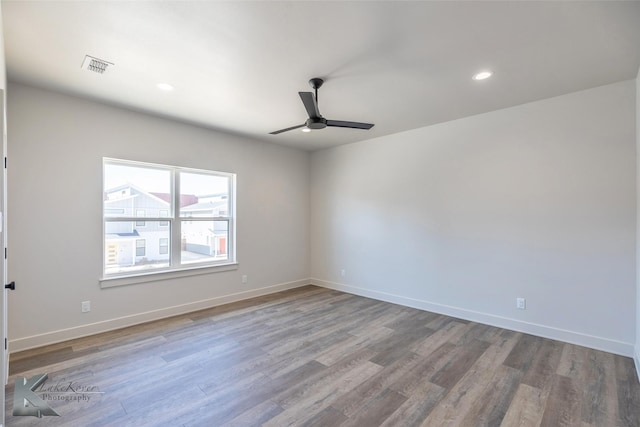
(292, 213)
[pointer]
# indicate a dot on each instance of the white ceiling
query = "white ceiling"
(237, 66)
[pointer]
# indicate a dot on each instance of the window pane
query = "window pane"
(204, 241)
(203, 195)
(164, 245)
(142, 203)
(140, 212)
(133, 191)
(140, 247)
(130, 249)
(164, 214)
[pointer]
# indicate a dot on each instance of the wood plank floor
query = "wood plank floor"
(317, 357)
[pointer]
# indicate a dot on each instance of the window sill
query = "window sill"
(110, 282)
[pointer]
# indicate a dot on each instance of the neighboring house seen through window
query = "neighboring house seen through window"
(140, 247)
(164, 246)
(164, 214)
(165, 196)
(140, 213)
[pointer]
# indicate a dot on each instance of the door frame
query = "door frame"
(4, 354)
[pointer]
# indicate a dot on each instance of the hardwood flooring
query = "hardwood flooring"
(317, 357)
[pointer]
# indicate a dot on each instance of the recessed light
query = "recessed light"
(482, 75)
(165, 86)
(306, 130)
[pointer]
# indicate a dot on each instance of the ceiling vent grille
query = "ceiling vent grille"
(95, 64)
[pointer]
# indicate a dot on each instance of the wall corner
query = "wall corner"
(637, 343)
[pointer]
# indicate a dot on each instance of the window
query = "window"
(164, 246)
(164, 214)
(140, 247)
(188, 218)
(140, 213)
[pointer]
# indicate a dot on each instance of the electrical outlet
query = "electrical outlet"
(244, 278)
(86, 306)
(521, 303)
(343, 273)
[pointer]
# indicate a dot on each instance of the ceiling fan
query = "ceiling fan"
(315, 120)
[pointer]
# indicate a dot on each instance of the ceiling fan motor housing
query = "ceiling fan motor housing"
(316, 82)
(316, 123)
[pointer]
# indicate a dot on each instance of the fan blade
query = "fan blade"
(353, 125)
(310, 104)
(287, 129)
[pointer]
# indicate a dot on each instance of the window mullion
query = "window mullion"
(231, 218)
(176, 238)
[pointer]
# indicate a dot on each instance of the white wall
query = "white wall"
(534, 201)
(56, 145)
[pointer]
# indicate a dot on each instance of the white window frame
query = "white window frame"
(176, 267)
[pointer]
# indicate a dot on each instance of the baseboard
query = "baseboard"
(598, 343)
(637, 359)
(48, 338)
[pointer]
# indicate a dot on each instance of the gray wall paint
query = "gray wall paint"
(534, 201)
(3, 234)
(637, 348)
(56, 145)
(3, 68)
